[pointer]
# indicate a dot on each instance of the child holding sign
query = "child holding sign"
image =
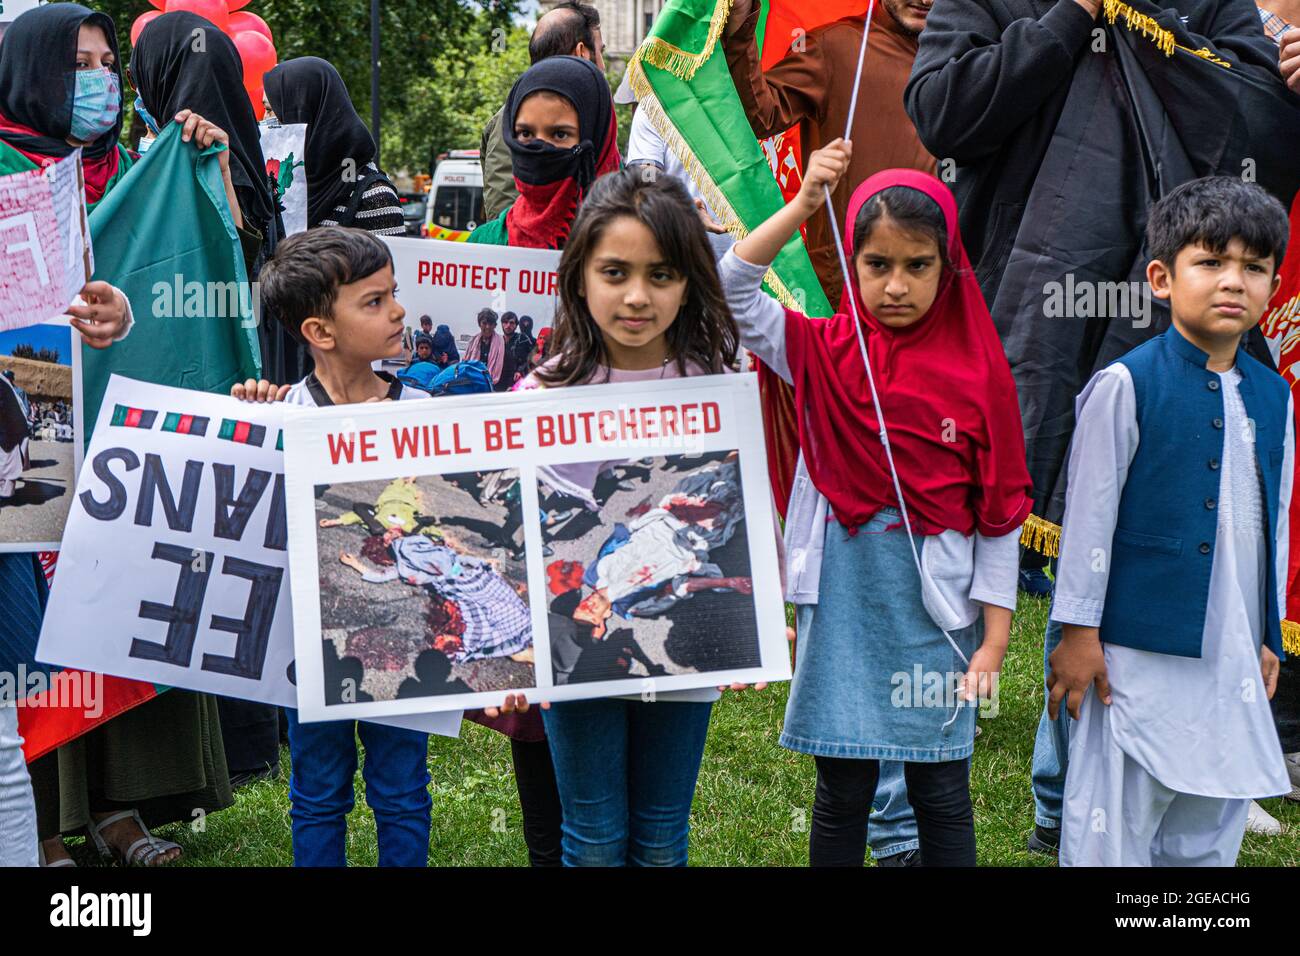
(332, 288)
(894, 611)
(639, 301)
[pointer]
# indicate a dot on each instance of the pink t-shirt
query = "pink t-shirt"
(579, 479)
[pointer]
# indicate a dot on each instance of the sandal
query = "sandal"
(40, 858)
(143, 852)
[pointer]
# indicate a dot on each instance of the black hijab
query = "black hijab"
(309, 90)
(38, 62)
(580, 82)
(552, 181)
(171, 76)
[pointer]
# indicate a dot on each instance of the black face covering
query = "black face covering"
(38, 60)
(183, 62)
(309, 90)
(580, 82)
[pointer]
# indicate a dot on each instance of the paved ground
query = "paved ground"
(39, 507)
(713, 630)
(387, 625)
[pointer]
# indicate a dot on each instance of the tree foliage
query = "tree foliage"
(443, 63)
(450, 102)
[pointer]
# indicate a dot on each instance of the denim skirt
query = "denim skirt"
(874, 676)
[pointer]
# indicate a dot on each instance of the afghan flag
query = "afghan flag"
(682, 81)
(165, 237)
(245, 433)
(57, 704)
(185, 424)
(124, 416)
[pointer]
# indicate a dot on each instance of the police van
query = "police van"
(456, 196)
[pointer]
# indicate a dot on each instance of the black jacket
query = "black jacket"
(990, 80)
(1061, 132)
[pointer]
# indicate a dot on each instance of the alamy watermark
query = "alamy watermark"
(179, 299)
(1087, 299)
(72, 689)
(919, 688)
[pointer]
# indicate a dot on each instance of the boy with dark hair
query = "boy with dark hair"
(332, 288)
(1174, 552)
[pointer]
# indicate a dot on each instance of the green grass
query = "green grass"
(751, 808)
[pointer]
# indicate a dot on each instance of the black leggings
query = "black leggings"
(539, 799)
(939, 794)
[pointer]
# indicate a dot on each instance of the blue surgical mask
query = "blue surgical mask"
(150, 123)
(96, 104)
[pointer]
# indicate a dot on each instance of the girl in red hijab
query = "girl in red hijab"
(898, 641)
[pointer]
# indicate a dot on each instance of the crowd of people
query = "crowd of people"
(914, 435)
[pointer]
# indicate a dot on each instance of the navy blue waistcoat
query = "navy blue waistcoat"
(1164, 541)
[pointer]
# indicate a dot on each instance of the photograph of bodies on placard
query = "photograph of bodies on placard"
(422, 593)
(647, 568)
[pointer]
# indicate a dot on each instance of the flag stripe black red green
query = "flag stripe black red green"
(185, 424)
(682, 81)
(245, 433)
(50, 718)
(128, 417)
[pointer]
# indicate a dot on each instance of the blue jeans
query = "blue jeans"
(396, 773)
(893, 824)
(1051, 748)
(626, 772)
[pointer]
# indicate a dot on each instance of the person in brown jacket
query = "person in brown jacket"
(810, 88)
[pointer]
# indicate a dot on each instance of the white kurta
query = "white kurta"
(1186, 742)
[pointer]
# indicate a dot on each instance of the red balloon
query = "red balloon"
(258, 55)
(233, 5)
(255, 95)
(141, 22)
(213, 10)
(239, 22)
(160, 4)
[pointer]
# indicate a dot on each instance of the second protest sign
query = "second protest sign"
(564, 544)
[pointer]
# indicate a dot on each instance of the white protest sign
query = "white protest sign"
(451, 281)
(174, 564)
(652, 566)
(285, 150)
(45, 254)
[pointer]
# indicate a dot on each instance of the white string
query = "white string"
(862, 347)
(857, 79)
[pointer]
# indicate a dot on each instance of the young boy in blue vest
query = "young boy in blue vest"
(1174, 554)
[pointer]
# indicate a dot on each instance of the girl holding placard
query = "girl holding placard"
(639, 301)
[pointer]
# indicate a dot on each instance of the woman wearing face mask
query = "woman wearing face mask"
(309, 90)
(60, 89)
